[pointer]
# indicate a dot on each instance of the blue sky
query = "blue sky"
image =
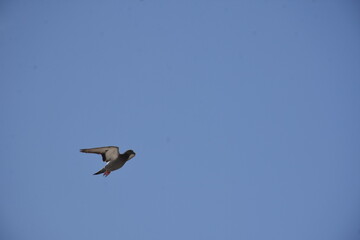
(244, 116)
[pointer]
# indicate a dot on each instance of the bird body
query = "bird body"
(112, 156)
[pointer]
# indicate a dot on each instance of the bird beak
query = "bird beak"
(131, 156)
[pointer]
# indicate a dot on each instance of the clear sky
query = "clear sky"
(244, 116)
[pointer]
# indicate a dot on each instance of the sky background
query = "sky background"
(244, 116)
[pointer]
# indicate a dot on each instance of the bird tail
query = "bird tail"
(99, 172)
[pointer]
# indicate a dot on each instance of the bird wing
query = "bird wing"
(108, 153)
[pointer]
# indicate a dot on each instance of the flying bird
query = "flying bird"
(114, 160)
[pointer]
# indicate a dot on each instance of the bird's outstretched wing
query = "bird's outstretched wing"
(108, 153)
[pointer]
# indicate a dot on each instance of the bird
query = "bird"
(113, 158)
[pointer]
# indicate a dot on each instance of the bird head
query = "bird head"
(130, 154)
